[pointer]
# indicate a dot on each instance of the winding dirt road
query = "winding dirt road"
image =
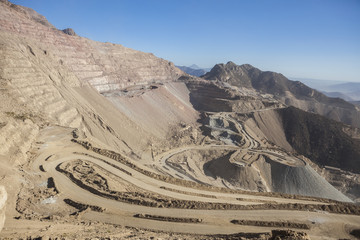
(58, 149)
(234, 128)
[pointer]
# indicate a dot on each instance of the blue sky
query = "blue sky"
(300, 38)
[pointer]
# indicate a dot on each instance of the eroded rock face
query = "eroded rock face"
(233, 74)
(106, 66)
(45, 77)
(3, 198)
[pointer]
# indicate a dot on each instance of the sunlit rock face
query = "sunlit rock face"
(291, 93)
(106, 66)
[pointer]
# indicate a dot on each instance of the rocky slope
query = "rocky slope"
(292, 93)
(274, 176)
(48, 76)
(105, 66)
(321, 139)
(332, 145)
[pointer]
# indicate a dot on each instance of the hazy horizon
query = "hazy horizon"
(294, 78)
(306, 39)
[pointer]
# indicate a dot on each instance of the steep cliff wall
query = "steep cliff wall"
(106, 66)
(48, 76)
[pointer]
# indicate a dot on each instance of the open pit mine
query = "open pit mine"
(101, 141)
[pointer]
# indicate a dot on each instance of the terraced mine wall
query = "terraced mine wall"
(333, 207)
(168, 219)
(208, 96)
(105, 66)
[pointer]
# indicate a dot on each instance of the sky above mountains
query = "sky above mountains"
(305, 39)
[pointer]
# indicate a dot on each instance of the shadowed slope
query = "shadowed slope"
(320, 139)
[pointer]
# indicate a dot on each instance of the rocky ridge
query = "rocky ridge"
(293, 93)
(303, 131)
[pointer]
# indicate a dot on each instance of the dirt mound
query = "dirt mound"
(105, 66)
(268, 175)
(302, 180)
(217, 97)
(243, 177)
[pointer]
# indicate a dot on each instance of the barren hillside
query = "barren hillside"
(101, 141)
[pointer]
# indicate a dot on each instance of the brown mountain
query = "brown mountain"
(293, 93)
(96, 136)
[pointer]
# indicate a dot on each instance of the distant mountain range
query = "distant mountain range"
(338, 95)
(349, 91)
(318, 84)
(194, 70)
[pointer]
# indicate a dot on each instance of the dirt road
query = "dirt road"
(60, 150)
